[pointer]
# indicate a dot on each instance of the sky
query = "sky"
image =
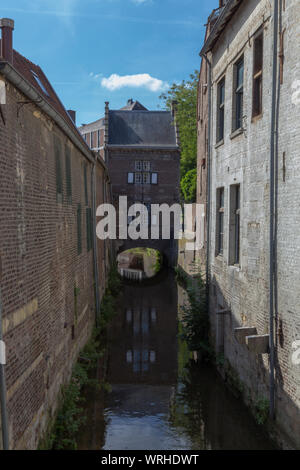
(94, 51)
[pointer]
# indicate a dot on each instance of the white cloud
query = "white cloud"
(142, 80)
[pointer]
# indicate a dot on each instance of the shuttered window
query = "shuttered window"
(79, 231)
(89, 229)
(58, 169)
(68, 175)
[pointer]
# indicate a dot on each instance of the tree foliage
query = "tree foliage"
(185, 94)
(188, 186)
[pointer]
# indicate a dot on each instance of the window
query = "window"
(68, 175)
(86, 196)
(79, 234)
(89, 229)
(238, 95)
(58, 169)
(220, 222)
(130, 178)
(138, 178)
(138, 166)
(234, 225)
(153, 178)
(98, 138)
(85, 137)
(257, 75)
(146, 166)
(221, 110)
(39, 82)
(146, 178)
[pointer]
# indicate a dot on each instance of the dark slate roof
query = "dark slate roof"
(141, 128)
(134, 106)
(36, 77)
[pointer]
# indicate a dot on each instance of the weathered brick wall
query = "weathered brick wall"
(244, 159)
(46, 287)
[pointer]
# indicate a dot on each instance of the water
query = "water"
(160, 399)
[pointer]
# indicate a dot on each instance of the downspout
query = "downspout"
(208, 191)
(4, 420)
(272, 214)
(95, 251)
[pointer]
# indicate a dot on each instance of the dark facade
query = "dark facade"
(48, 177)
(143, 157)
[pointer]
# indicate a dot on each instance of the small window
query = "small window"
(221, 110)
(79, 233)
(146, 178)
(257, 75)
(130, 178)
(153, 178)
(86, 196)
(58, 169)
(234, 225)
(238, 95)
(138, 178)
(39, 82)
(89, 229)
(220, 222)
(68, 175)
(138, 166)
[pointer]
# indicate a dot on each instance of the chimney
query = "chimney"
(72, 115)
(106, 120)
(7, 26)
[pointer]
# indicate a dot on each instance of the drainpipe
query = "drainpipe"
(4, 420)
(208, 191)
(272, 214)
(95, 251)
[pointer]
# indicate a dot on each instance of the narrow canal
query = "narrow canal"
(158, 398)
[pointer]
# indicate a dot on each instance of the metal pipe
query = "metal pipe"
(272, 206)
(4, 419)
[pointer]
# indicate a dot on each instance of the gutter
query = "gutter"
(14, 77)
(273, 156)
(224, 17)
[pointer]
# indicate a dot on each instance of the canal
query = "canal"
(158, 398)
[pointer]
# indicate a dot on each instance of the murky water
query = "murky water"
(160, 399)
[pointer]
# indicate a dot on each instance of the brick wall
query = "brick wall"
(44, 325)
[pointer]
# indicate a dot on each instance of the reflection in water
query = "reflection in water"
(160, 399)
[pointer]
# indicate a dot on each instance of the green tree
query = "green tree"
(188, 185)
(185, 94)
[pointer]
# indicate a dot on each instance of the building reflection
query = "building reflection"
(143, 337)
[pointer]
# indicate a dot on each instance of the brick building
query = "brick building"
(254, 189)
(143, 158)
(50, 184)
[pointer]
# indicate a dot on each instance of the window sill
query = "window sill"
(237, 132)
(219, 144)
(256, 118)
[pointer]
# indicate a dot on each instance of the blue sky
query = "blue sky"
(110, 50)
